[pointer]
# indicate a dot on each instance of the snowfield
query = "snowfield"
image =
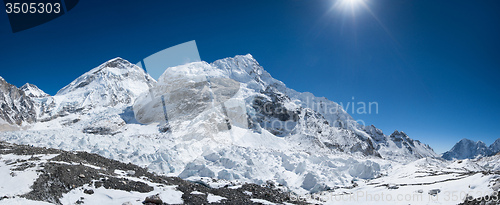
(33, 175)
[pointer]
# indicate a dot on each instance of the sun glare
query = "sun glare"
(350, 4)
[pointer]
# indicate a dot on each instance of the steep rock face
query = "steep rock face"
(467, 149)
(293, 112)
(16, 106)
(398, 146)
(246, 69)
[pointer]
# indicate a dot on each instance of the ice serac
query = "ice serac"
(16, 107)
(186, 92)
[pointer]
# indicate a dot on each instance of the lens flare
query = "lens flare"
(351, 4)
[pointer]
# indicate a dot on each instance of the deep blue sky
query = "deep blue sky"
(432, 66)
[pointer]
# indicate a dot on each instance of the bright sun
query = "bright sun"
(352, 4)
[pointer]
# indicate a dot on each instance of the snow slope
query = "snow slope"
(424, 181)
(490, 163)
(33, 91)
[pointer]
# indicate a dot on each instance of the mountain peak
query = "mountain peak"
(467, 149)
(17, 108)
(244, 68)
(465, 140)
(397, 133)
(495, 147)
(33, 91)
(115, 63)
(117, 66)
(114, 82)
(116, 69)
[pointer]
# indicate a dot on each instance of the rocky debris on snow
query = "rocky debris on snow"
(434, 191)
(105, 126)
(153, 200)
(88, 191)
(68, 171)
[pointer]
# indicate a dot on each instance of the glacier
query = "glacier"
(229, 120)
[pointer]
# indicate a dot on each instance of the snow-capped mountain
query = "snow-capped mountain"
(33, 91)
(317, 117)
(399, 145)
(468, 149)
(112, 86)
(228, 119)
(232, 121)
(16, 107)
(114, 82)
(495, 147)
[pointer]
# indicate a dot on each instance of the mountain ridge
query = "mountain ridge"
(17, 107)
(254, 129)
(469, 149)
(33, 91)
(105, 86)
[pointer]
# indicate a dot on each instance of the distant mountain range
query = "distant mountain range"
(468, 149)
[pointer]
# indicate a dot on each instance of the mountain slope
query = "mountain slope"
(495, 147)
(110, 87)
(329, 117)
(33, 91)
(114, 82)
(16, 107)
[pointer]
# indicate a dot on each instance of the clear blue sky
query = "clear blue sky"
(431, 65)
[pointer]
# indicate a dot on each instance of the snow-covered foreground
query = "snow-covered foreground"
(232, 155)
(33, 175)
(258, 158)
(19, 173)
(425, 181)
